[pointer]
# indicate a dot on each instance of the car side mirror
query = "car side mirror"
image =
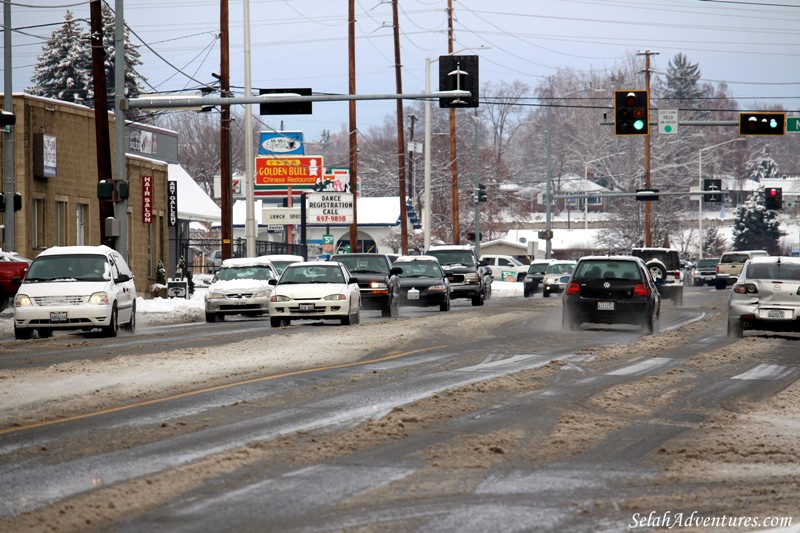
(272, 282)
(353, 280)
(395, 271)
(122, 278)
(16, 280)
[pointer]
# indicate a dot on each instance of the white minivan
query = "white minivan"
(75, 287)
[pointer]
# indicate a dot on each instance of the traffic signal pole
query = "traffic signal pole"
(648, 235)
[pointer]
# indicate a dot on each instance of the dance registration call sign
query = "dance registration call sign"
(329, 208)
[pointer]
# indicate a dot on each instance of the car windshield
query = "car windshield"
(774, 271)
(453, 257)
(562, 268)
(420, 269)
(280, 266)
(606, 269)
(668, 257)
(259, 272)
(705, 263)
(537, 268)
(312, 274)
(363, 265)
(69, 268)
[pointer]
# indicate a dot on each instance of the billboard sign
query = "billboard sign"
(330, 208)
(275, 175)
(281, 143)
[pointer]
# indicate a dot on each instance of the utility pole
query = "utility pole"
(648, 235)
(453, 163)
(101, 129)
(8, 137)
(351, 38)
(225, 180)
(401, 142)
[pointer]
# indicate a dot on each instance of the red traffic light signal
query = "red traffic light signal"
(762, 123)
(773, 198)
(631, 113)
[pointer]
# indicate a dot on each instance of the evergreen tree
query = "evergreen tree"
(761, 167)
(683, 80)
(756, 227)
(713, 243)
(64, 67)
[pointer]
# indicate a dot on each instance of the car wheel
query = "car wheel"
(649, 323)
(131, 325)
(3, 301)
(211, 317)
(658, 272)
(568, 321)
(279, 322)
(445, 306)
(112, 328)
(735, 328)
(44, 333)
(719, 285)
(545, 293)
(526, 292)
(22, 333)
(478, 299)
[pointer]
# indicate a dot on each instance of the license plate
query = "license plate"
(773, 313)
(58, 316)
(306, 307)
(238, 301)
(605, 306)
(413, 294)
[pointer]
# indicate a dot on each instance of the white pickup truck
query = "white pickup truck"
(505, 263)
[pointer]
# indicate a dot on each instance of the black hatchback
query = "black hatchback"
(611, 290)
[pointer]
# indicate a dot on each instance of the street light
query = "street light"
(700, 188)
(426, 197)
(586, 178)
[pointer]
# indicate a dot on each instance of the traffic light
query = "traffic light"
(480, 193)
(631, 113)
(459, 73)
(7, 119)
(762, 123)
(773, 198)
(285, 108)
(711, 188)
(17, 201)
(471, 236)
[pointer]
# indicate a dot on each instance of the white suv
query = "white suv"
(75, 287)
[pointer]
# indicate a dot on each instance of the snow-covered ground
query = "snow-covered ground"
(176, 310)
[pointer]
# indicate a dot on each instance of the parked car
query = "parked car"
(214, 261)
(281, 261)
(665, 268)
(611, 290)
(704, 271)
(556, 276)
(315, 290)
(377, 279)
(467, 275)
(730, 266)
(766, 296)
(240, 287)
(13, 268)
(505, 263)
(75, 287)
(534, 276)
(423, 282)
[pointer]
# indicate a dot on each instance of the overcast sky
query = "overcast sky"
(752, 45)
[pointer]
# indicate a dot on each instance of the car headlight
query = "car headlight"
(264, 293)
(214, 295)
(99, 298)
(471, 276)
(22, 300)
(378, 285)
(437, 288)
(279, 298)
(335, 297)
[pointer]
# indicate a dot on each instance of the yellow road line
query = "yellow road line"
(212, 389)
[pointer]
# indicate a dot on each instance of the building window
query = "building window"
(81, 214)
(39, 229)
(61, 223)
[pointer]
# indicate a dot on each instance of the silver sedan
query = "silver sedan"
(766, 296)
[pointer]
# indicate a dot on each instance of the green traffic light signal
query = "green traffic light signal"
(631, 113)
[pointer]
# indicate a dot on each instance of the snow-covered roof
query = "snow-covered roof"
(563, 239)
(193, 203)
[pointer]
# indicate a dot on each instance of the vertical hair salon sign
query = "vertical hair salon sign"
(147, 199)
(172, 202)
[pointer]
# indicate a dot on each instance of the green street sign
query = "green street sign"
(792, 124)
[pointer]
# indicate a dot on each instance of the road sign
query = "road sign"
(274, 175)
(792, 124)
(668, 121)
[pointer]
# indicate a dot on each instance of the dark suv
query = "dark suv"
(665, 267)
(467, 275)
(377, 280)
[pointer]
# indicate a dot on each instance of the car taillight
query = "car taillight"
(745, 288)
(573, 288)
(678, 275)
(717, 269)
(640, 289)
